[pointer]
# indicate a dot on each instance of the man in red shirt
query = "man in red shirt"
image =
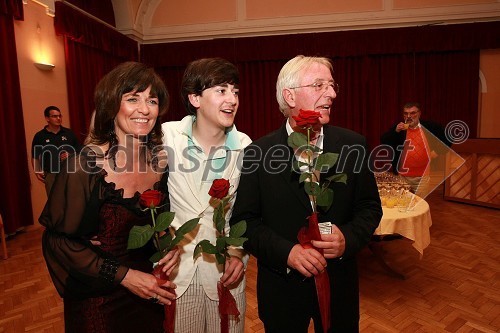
(412, 152)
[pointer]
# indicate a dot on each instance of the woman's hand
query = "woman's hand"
(146, 286)
(233, 272)
(170, 260)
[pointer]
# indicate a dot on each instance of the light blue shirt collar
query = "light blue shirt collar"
(231, 143)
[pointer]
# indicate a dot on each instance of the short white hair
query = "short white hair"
(289, 76)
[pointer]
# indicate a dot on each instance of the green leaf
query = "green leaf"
(304, 176)
(207, 247)
(204, 246)
(325, 161)
(221, 224)
(166, 242)
(236, 241)
(225, 200)
(296, 165)
(163, 221)
(187, 227)
(219, 218)
(197, 251)
(238, 229)
(183, 230)
(296, 140)
(340, 178)
(155, 257)
(220, 244)
(220, 258)
(325, 198)
(175, 241)
(314, 149)
(305, 151)
(139, 236)
(312, 188)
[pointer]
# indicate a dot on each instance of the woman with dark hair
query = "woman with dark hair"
(105, 286)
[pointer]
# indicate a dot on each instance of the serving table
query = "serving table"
(413, 224)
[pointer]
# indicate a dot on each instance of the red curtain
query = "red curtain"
(373, 90)
(15, 198)
(378, 70)
(254, 117)
(92, 49)
(12, 8)
(258, 113)
(172, 77)
(85, 66)
(102, 9)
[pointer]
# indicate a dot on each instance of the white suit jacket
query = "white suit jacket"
(186, 203)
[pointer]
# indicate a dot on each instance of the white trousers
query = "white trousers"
(197, 313)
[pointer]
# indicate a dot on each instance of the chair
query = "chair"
(2, 235)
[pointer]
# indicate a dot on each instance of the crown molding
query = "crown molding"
(48, 4)
(296, 25)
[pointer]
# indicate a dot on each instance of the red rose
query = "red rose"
(307, 118)
(219, 189)
(151, 198)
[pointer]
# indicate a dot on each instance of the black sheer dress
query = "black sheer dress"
(82, 205)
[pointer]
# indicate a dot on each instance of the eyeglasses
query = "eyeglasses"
(321, 86)
(55, 116)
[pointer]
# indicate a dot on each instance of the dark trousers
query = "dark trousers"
(49, 181)
(288, 303)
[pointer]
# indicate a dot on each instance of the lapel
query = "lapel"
(183, 164)
(331, 143)
(232, 158)
(290, 177)
(180, 148)
(331, 140)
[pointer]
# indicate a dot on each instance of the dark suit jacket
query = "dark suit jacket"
(395, 139)
(275, 206)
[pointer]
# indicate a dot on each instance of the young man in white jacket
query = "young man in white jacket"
(204, 146)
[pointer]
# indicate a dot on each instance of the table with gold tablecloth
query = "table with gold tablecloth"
(413, 224)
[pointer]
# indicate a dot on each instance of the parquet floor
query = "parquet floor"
(455, 287)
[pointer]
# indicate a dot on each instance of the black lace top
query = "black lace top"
(82, 205)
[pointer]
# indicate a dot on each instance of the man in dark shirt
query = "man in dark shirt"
(52, 145)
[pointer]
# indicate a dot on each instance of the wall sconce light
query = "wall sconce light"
(44, 67)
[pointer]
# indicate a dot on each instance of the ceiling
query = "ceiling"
(156, 21)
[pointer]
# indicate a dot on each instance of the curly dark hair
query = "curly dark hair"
(205, 73)
(126, 77)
